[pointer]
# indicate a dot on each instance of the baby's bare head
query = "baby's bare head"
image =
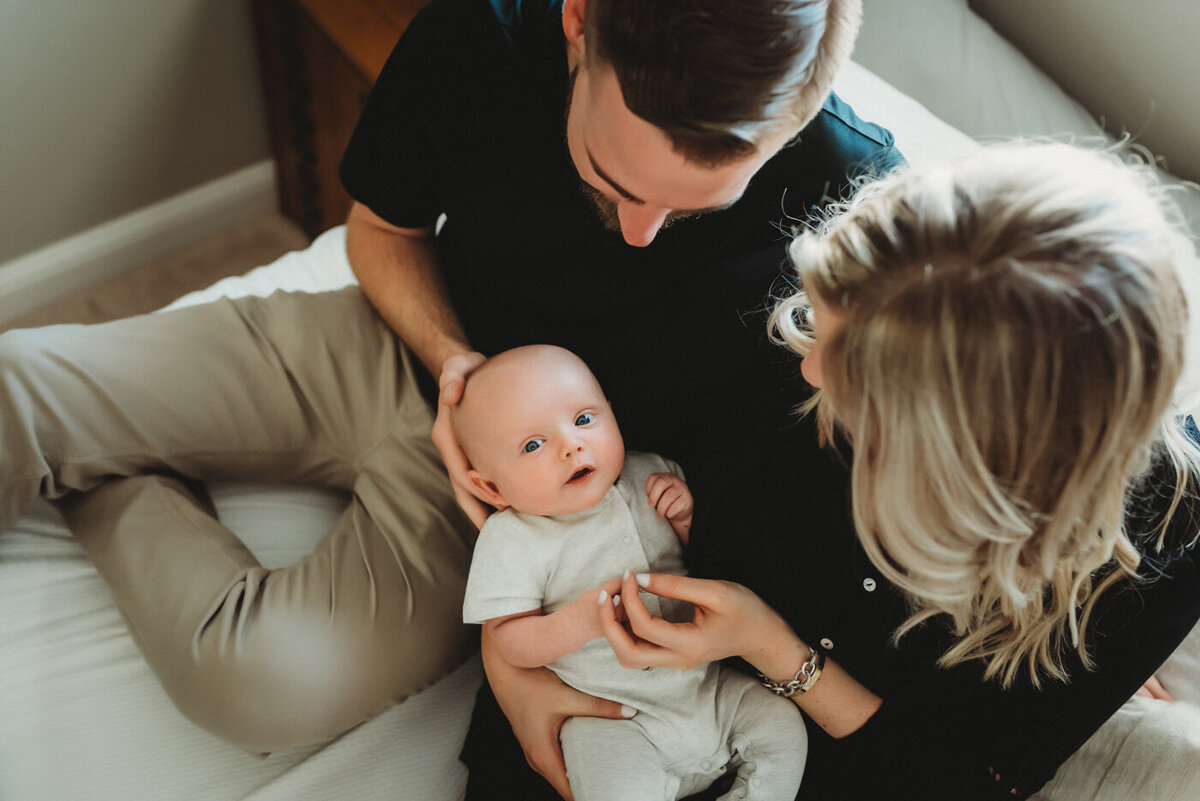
(537, 430)
(502, 387)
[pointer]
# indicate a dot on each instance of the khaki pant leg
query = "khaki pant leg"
(309, 388)
(293, 387)
(275, 659)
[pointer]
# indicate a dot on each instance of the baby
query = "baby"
(576, 511)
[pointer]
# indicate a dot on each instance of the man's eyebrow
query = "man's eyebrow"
(620, 190)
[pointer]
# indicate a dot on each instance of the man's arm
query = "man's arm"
(398, 272)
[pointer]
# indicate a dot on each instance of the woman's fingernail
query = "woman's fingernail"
(627, 711)
(643, 580)
(625, 575)
(603, 596)
(616, 600)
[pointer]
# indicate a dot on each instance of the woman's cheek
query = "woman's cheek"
(810, 368)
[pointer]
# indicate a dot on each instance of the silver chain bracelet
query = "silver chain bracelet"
(804, 679)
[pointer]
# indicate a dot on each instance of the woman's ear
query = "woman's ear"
(573, 11)
(486, 490)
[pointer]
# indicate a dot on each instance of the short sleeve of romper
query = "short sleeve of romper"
(509, 570)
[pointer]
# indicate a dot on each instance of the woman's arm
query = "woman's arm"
(730, 620)
(942, 734)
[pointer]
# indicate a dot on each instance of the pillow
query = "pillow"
(946, 56)
(920, 136)
(954, 63)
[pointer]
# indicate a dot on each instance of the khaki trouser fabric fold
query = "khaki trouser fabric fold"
(301, 388)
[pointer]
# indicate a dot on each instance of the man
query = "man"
(491, 114)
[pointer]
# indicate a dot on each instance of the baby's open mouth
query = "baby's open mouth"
(580, 474)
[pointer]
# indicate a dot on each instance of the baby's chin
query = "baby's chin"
(570, 506)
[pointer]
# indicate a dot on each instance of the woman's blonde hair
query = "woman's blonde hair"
(1013, 331)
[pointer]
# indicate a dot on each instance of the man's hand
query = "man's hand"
(671, 499)
(537, 703)
(450, 391)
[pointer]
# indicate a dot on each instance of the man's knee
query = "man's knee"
(21, 353)
(274, 699)
(22, 361)
(303, 684)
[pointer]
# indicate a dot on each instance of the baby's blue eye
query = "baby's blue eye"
(584, 419)
(532, 445)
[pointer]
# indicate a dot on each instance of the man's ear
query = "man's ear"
(486, 490)
(573, 11)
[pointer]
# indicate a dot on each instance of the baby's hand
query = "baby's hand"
(672, 500)
(585, 609)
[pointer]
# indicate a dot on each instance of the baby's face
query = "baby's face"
(541, 430)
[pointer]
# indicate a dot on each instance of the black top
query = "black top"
(778, 521)
(468, 119)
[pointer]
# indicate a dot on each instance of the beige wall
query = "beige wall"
(1134, 64)
(107, 106)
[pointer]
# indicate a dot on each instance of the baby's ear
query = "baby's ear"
(485, 490)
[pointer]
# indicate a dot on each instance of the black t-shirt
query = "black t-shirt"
(468, 120)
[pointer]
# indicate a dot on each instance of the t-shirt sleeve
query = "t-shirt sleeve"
(390, 164)
(507, 574)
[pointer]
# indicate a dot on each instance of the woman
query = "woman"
(996, 345)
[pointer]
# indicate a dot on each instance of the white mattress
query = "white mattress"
(82, 717)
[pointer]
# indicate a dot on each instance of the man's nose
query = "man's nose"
(640, 223)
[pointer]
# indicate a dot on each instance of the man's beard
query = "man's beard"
(606, 209)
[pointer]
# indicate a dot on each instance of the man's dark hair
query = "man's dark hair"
(717, 75)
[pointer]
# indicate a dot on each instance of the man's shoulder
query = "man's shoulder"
(830, 156)
(839, 138)
(837, 119)
(518, 16)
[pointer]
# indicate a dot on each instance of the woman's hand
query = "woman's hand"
(536, 704)
(729, 620)
(451, 383)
